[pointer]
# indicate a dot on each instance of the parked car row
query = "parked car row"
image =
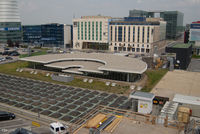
(11, 53)
(6, 58)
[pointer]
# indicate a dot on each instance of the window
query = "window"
(129, 33)
(120, 34)
(111, 34)
(81, 30)
(148, 30)
(138, 49)
(143, 35)
(133, 49)
(147, 50)
(97, 30)
(57, 129)
(115, 48)
(133, 45)
(142, 45)
(142, 50)
(78, 30)
(93, 30)
(89, 29)
(62, 128)
(133, 34)
(129, 49)
(100, 30)
(85, 30)
(138, 34)
(124, 48)
(147, 45)
(138, 45)
(115, 33)
(124, 34)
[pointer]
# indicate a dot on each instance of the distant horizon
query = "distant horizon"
(36, 12)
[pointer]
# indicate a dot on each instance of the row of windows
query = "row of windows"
(130, 45)
(131, 49)
(123, 39)
(87, 32)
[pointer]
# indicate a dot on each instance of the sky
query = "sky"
(63, 11)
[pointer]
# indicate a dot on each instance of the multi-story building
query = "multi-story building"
(194, 37)
(91, 32)
(174, 20)
(10, 25)
(135, 34)
(48, 35)
(32, 34)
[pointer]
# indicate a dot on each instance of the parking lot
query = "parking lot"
(61, 102)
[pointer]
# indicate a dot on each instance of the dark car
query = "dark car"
(6, 48)
(5, 53)
(9, 58)
(6, 116)
(14, 53)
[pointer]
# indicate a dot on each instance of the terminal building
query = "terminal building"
(48, 35)
(135, 34)
(100, 65)
(10, 24)
(174, 20)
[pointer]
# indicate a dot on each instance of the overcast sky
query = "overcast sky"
(62, 11)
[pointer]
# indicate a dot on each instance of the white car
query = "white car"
(58, 128)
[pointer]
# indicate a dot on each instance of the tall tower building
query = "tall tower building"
(10, 24)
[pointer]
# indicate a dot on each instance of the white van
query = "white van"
(58, 128)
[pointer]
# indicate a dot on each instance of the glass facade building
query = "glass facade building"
(52, 35)
(10, 25)
(32, 34)
(48, 35)
(174, 20)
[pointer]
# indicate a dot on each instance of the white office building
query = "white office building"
(91, 32)
(135, 34)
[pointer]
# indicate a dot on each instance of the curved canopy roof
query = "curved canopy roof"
(91, 62)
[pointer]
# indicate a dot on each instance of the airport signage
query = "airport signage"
(10, 29)
(195, 26)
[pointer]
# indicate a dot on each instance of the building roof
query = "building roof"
(181, 45)
(142, 96)
(187, 99)
(91, 62)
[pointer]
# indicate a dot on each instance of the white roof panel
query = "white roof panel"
(186, 99)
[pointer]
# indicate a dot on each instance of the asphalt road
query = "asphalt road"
(194, 65)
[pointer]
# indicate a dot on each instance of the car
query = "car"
(9, 58)
(2, 59)
(6, 48)
(14, 53)
(5, 53)
(6, 116)
(58, 128)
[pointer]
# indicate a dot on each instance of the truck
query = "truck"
(58, 128)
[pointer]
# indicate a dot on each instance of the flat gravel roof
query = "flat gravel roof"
(94, 62)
